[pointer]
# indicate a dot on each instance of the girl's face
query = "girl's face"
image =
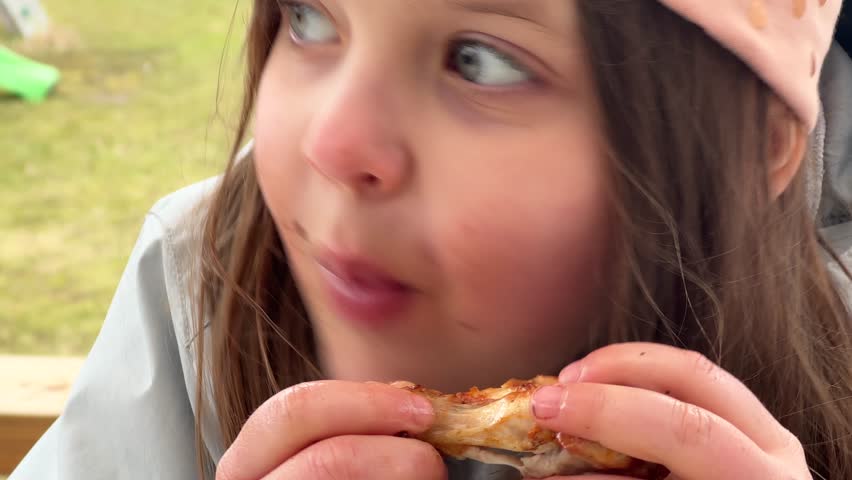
(436, 172)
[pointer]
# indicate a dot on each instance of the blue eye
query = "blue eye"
(484, 65)
(307, 24)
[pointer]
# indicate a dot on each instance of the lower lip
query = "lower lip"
(368, 306)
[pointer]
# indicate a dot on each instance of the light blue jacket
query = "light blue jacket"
(130, 413)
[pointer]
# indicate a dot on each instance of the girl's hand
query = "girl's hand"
(335, 430)
(674, 408)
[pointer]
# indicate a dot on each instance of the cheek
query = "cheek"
(534, 275)
(280, 170)
(525, 261)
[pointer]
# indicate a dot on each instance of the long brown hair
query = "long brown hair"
(702, 258)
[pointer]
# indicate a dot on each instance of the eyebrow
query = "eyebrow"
(519, 9)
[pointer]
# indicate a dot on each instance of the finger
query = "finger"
(364, 457)
(687, 376)
(688, 440)
(310, 412)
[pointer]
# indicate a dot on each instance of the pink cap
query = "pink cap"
(784, 41)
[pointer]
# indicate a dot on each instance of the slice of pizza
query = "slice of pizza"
(496, 426)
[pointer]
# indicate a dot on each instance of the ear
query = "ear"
(788, 140)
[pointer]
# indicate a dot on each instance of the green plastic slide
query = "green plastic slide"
(26, 78)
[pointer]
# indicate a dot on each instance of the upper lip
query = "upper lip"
(359, 270)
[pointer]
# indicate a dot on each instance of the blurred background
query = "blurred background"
(105, 107)
(144, 105)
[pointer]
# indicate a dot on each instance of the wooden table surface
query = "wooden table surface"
(34, 391)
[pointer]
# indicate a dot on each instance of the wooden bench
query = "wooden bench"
(33, 391)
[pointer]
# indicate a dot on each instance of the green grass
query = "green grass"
(133, 118)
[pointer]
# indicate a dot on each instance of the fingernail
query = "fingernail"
(572, 373)
(422, 410)
(546, 402)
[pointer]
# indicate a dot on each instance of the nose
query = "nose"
(353, 139)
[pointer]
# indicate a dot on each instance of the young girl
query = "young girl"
(458, 192)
